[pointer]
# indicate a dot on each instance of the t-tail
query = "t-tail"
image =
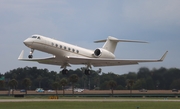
(111, 43)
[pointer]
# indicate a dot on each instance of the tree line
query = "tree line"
(31, 78)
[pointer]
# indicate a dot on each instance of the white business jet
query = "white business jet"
(65, 54)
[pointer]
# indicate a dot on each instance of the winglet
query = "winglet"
(21, 55)
(163, 57)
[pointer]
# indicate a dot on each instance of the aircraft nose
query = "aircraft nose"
(27, 42)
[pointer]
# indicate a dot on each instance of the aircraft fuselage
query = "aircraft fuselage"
(57, 48)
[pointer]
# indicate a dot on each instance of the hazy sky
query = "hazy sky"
(81, 22)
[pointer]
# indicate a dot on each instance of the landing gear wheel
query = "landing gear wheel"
(64, 71)
(87, 72)
(30, 56)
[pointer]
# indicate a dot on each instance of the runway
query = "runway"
(92, 100)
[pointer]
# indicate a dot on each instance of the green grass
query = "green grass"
(90, 105)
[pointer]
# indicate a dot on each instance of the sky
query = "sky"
(81, 22)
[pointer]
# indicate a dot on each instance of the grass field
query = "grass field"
(90, 105)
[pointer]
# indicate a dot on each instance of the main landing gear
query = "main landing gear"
(64, 71)
(31, 52)
(86, 71)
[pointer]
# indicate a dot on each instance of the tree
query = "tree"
(112, 84)
(13, 83)
(143, 73)
(73, 79)
(169, 76)
(26, 83)
(161, 78)
(175, 84)
(131, 76)
(2, 84)
(39, 78)
(55, 86)
(121, 81)
(63, 83)
(130, 84)
(140, 83)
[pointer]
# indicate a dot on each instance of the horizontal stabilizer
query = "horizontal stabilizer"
(118, 40)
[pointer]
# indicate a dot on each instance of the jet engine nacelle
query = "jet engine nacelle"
(102, 53)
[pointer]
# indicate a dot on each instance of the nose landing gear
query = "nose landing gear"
(31, 52)
(30, 56)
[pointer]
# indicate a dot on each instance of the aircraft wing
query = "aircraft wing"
(98, 62)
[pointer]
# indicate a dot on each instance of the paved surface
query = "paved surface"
(91, 100)
(94, 99)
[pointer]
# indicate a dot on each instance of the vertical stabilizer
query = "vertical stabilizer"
(110, 44)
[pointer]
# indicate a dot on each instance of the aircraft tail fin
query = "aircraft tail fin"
(111, 43)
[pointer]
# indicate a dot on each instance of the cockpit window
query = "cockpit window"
(34, 36)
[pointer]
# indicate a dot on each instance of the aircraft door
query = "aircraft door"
(46, 44)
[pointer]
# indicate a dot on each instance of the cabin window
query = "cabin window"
(65, 47)
(77, 51)
(60, 46)
(56, 45)
(73, 50)
(38, 37)
(69, 49)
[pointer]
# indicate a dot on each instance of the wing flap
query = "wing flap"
(97, 62)
(117, 40)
